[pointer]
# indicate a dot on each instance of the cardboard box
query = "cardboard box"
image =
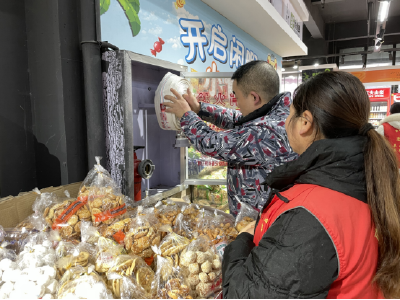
(14, 210)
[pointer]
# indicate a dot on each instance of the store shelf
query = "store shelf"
(205, 182)
(263, 22)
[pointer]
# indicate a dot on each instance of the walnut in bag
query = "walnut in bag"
(169, 282)
(246, 215)
(104, 198)
(202, 266)
(142, 235)
(134, 268)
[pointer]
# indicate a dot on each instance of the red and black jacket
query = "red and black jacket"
(315, 237)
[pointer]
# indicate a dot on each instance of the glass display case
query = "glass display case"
(212, 88)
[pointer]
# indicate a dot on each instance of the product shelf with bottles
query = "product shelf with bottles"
(378, 111)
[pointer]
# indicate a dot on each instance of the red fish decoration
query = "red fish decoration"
(157, 47)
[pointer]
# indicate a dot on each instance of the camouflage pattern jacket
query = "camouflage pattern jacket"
(252, 145)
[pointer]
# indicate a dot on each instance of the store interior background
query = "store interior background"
(42, 104)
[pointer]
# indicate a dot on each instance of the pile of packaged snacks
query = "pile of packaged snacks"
(92, 246)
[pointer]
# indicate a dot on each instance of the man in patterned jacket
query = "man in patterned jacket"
(254, 140)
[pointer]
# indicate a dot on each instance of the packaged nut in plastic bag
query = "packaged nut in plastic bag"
(107, 250)
(246, 215)
(83, 283)
(134, 268)
(169, 282)
(142, 235)
(103, 196)
(202, 267)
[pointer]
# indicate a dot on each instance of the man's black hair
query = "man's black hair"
(258, 76)
(395, 108)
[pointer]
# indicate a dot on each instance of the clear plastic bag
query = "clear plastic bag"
(37, 252)
(135, 268)
(104, 198)
(71, 255)
(167, 213)
(43, 201)
(171, 246)
(201, 265)
(169, 282)
(143, 233)
(89, 233)
(107, 250)
(83, 283)
(246, 215)
(66, 215)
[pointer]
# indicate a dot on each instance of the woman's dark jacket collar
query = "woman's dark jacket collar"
(337, 164)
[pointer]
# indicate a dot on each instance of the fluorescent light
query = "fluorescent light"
(295, 67)
(349, 67)
(316, 65)
(283, 70)
(383, 10)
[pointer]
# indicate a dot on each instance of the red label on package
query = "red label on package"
(149, 260)
(69, 212)
(109, 214)
(119, 237)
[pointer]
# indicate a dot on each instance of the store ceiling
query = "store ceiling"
(351, 10)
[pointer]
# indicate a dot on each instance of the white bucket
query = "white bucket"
(168, 121)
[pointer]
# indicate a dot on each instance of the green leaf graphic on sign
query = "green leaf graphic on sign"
(104, 5)
(131, 9)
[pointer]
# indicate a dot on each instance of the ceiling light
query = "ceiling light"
(383, 10)
(295, 65)
(316, 64)
(283, 69)
(342, 60)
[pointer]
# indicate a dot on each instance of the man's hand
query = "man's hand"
(191, 99)
(249, 228)
(178, 106)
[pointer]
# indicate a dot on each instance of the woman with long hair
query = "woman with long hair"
(331, 227)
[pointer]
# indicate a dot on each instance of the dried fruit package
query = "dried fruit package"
(107, 250)
(246, 215)
(202, 266)
(169, 282)
(135, 269)
(83, 283)
(104, 198)
(143, 233)
(171, 246)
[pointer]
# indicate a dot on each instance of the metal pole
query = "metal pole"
(90, 20)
